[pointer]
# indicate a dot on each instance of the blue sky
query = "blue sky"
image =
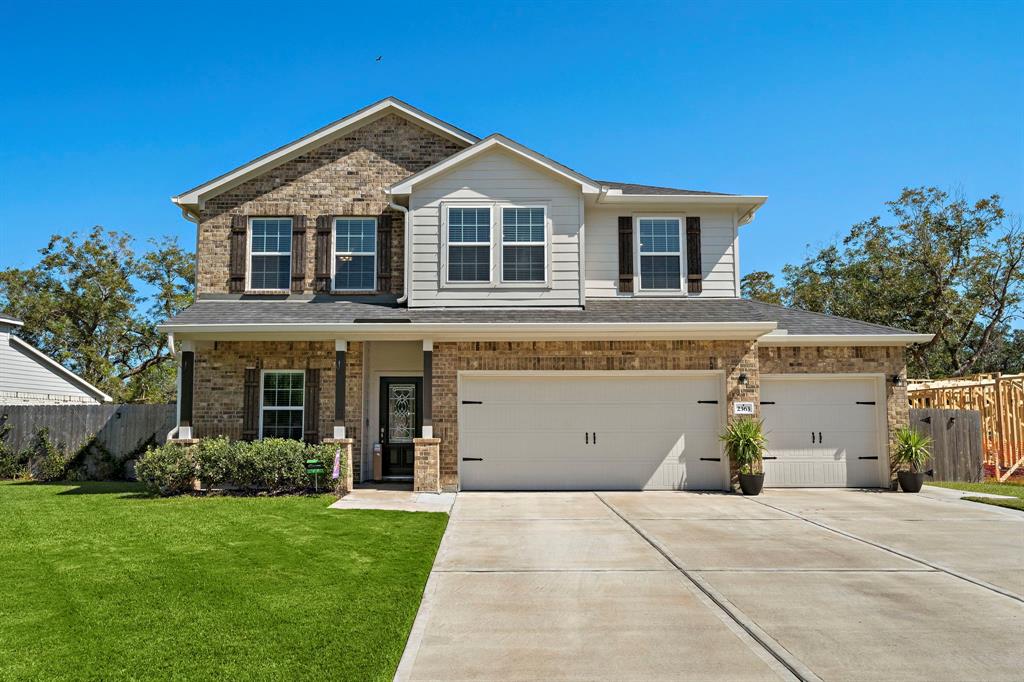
(828, 108)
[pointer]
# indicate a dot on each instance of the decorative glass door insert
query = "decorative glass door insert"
(401, 413)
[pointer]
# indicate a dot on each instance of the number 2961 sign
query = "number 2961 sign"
(743, 408)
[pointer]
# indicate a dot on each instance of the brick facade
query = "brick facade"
(888, 360)
(735, 357)
(344, 177)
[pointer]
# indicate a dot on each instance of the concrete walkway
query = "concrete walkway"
(395, 498)
(798, 584)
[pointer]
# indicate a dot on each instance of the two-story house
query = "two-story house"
(493, 320)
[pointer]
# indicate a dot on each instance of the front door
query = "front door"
(401, 420)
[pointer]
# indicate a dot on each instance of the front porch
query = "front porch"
(373, 397)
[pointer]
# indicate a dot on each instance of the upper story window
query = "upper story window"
(281, 404)
(270, 250)
(355, 254)
(661, 253)
(469, 244)
(523, 237)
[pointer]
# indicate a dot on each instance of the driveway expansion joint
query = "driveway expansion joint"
(892, 550)
(793, 665)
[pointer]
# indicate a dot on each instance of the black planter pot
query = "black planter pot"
(751, 484)
(910, 481)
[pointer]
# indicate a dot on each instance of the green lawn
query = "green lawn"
(99, 581)
(1016, 490)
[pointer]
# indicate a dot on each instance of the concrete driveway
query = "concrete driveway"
(797, 584)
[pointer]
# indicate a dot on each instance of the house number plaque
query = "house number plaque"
(743, 408)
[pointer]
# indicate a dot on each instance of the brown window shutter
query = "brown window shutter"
(694, 267)
(311, 407)
(237, 253)
(625, 254)
(298, 254)
(323, 253)
(251, 404)
(384, 253)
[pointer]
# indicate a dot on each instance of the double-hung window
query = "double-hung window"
(661, 253)
(355, 254)
(469, 244)
(270, 253)
(281, 399)
(522, 251)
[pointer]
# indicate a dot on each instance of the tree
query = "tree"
(760, 286)
(940, 265)
(93, 304)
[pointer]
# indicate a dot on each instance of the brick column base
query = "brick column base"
(343, 485)
(427, 465)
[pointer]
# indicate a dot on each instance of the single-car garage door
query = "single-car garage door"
(823, 431)
(612, 431)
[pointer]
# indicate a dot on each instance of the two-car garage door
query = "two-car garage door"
(613, 431)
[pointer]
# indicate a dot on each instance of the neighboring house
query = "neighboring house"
(30, 377)
(496, 320)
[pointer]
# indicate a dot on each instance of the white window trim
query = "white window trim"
(263, 375)
(335, 253)
(249, 256)
(463, 284)
(638, 276)
(532, 284)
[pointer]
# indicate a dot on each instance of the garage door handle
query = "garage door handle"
(711, 459)
(594, 434)
(769, 458)
(874, 457)
(820, 439)
(472, 459)
(812, 436)
(586, 437)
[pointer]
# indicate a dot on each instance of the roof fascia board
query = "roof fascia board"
(488, 331)
(61, 369)
(844, 339)
(496, 140)
(722, 200)
(196, 195)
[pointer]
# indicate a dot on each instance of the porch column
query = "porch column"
(185, 390)
(340, 348)
(426, 457)
(428, 388)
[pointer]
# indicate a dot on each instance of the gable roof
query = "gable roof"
(49, 363)
(496, 141)
(193, 198)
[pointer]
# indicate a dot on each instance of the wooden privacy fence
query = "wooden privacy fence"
(121, 430)
(999, 400)
(957, 452)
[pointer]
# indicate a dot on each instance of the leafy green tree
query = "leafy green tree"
(92, 303)
(939, 264)
(760, 286)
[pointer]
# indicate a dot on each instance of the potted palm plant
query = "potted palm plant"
(745, 443)
(913, 449)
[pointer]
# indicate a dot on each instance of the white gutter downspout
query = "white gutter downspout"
(407, 256)
(172, 434)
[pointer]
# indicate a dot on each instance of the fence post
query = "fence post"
(1000, 424)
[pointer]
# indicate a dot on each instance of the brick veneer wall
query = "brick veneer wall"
(889, 360)
(735, 357)
(346, 176)
(220, 381)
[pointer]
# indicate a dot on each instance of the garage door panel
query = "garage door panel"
(537, 432)
(822, 432)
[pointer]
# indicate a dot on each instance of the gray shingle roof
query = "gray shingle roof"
(631, 188)
(334, 310)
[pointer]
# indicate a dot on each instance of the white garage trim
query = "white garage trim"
(719, 374)
(881, 418)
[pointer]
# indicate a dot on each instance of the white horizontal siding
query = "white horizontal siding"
(718, 249)
(31, 381)
(496, 177)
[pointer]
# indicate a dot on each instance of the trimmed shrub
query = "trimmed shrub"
(46, 460)
(278, 465)
(218, 461)
(167, 470)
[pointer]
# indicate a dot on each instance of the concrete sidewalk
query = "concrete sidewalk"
(795, 584)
